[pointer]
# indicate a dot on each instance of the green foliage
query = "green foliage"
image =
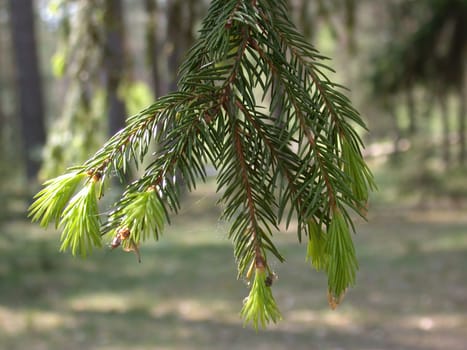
(80, 221)
(51, 200)
(316, 248)
(342, 264)
(298, 158)
(355, 168)
(259, 307)
(142, 214)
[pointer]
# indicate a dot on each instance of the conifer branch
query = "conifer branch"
(299, 160)
(132, 142)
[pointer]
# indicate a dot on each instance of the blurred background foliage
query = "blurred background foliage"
(86, 65)
(72, 70)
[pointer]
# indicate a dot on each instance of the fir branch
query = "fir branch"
(216, 117)
(182, 151)
(248, 194)
(132, 142)
(291, 85)
(330, 102)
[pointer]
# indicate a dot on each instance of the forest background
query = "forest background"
(71, 71)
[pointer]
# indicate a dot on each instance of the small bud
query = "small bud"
(250, 271)
(124, 233)
(270, 279)
(334, 301)
(95, 175)
(116, 241)
(260, 264)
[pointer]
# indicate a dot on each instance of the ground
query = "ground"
(411, 291)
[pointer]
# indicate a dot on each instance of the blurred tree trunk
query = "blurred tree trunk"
(114, 63)
(462, 116)
(175, 37)
(390, 107)
(342, 26)
(2, 112)
(411, 109)
(30, 105)
(305, 14)
(446, 143)
(190, 24)
(153, 51)
(308, 18)
(349, 30)
(180, 23)
(181, 16)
